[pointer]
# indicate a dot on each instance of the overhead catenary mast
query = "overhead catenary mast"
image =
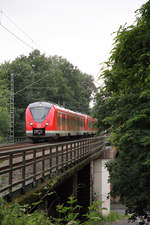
(12, 109)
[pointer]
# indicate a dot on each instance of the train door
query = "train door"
(61, 121)
(66, 122)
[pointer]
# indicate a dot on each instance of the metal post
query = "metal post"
(12, 109)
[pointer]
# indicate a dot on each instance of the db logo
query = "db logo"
(39, 126)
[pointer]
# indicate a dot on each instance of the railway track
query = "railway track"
(20, 145)
(16, 146)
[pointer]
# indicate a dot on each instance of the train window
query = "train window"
(75, 123)
(39, 113)
(58, 121)
(89, 124)
(78, 123)
(71, 123)
(83, 123)
(63, 122)
(66, 122)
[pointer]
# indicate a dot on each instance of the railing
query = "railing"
(26, 167)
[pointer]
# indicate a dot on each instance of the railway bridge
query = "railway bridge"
(29, 172)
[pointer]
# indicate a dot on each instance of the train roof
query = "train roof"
(68, 110)
(49, 104)
(35, 104)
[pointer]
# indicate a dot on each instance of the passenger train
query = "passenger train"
(45, 120)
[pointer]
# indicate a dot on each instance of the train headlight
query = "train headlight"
(31, 124)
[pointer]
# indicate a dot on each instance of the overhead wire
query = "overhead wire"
(12, 33)
(18, 27)
(21, 40)
(24, 42)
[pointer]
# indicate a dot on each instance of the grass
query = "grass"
(114, 217)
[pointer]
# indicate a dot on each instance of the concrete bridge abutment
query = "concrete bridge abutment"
(100, 187)
(99, 180)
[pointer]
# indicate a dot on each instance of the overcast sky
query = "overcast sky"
(78, 30)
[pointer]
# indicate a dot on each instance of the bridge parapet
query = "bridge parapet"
(23, 169)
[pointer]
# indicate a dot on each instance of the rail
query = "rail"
(26, 167)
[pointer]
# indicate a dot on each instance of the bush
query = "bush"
(15, 215)
(69, 214)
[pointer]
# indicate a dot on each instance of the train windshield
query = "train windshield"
(39, 113)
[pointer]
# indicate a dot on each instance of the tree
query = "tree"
(123, 108)
(38, 78)
(4, 115)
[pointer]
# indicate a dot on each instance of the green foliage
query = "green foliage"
(37, 77)
(94, 216)
(15, 214)
(123, 109)
(68, 214)
(114, 216)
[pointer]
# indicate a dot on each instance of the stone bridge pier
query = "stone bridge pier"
(99, 176)
(100, 187)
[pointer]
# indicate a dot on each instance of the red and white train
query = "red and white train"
(44, 120)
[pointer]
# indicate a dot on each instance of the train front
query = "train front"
(38, 120)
